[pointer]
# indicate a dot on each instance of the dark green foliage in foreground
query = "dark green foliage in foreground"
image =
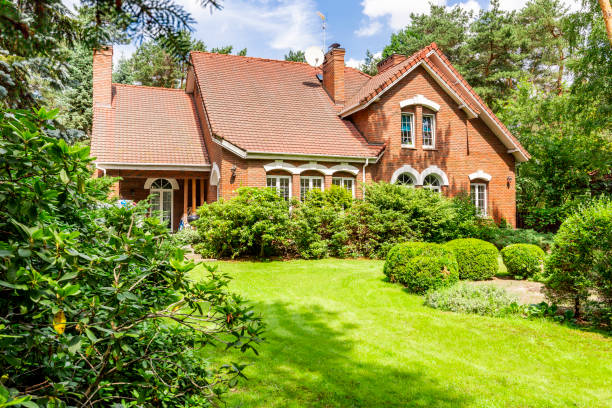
(93, 309)
(421, 266)
(330, 223)
(477, 259)
(486, 300)
(524, 260)
(581, 258)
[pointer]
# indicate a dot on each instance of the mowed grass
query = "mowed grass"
(340, 336)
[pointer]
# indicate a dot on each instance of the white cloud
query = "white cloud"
(257, 24)
(354, 63)
(396, 11)
(368, 30)
(470, 5)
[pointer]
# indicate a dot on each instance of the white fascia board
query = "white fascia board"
(152, 166)
(461, 103)
(294, 156)
(231, 147)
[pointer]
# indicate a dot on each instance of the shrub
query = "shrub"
(421, 266)
(186, 236)
(524, 260)
(580, 262)
(503, 237)
(477, 259)
(255, 222)
(486, 300)
(92, 312)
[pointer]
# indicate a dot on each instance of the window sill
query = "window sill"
(411, 147)
(429, 148)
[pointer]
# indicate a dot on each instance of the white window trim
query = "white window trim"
(161, 197)
(310, 187)
(412, 131)
(433, 169)
(433, 132)
(484, 213)
(277, 188)
(342, 179)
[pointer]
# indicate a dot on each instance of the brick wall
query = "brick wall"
(463, 146)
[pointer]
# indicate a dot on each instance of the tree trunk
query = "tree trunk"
(606, 9)
(576, 307)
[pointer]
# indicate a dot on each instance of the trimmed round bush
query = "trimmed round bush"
(421, 266)
(524, 260)
(477, 259)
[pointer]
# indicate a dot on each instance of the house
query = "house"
(244, 121)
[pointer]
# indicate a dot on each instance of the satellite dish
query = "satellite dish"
(314, 56)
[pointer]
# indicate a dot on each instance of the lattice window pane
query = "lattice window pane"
(428, 131)
(405, 179)
(406, 129)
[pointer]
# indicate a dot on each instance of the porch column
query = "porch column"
(185, 196)
(193, 196)
(201, 191)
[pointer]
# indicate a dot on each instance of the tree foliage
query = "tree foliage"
(95, 308)
(296, 56)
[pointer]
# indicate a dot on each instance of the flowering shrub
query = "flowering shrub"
(486, 300)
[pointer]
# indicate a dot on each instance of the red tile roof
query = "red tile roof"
(148, 125)
(273, 106)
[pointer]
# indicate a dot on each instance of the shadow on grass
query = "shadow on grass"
(312, 359)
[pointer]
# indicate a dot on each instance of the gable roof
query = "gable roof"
(436, 63)
(277, 107)
(148, 126)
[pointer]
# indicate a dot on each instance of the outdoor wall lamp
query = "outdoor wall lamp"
(509, 181)
(233, 177)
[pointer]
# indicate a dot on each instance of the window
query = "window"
(346, 182)
(161, 200)
(308, 183)
(282, 185)
(432, 182)
(429, 133)
(407, 139)
(405, 179)
(478, 192)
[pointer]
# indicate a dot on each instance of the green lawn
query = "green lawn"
(339, 336)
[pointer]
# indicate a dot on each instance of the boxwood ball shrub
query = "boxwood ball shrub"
(421, 266)
(524, 260)
(477, 259)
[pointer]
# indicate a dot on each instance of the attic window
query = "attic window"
(320, 77)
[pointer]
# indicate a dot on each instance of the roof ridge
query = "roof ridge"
(359, 71)
(250, 57)
(160, 88)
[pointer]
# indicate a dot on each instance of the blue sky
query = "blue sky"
(269, 28)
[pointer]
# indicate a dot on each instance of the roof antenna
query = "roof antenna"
(323, 26)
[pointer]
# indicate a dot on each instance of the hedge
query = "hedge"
(477, 259)
(524, 260)
(421, 266)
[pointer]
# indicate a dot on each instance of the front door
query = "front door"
(162, 200)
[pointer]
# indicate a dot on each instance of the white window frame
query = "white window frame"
(277, 187)
(414, 180)
(412, 132)
(310, 187)
(483, 212)
(161, 192)
(433, 131)
(342, 180)
(438, 188)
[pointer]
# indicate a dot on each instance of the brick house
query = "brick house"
(244, 121)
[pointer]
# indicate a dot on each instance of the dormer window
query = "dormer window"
(407, 132)
(429, 132)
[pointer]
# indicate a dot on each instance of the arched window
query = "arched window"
(162, 200)
(432, 182)
(405, 179)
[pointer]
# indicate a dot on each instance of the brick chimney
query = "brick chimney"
(333, 74)
(391, 61)
(102, 77)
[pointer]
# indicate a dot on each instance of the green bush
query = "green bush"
(477, 259)
(184, 237)
(421, 266)
(580, 262)
(255, 223)
(503, 237)
(486, 300)
(92, 311)
(524, 260)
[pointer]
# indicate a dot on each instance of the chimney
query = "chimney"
(102, 77)
(391, 61)
(333, 74)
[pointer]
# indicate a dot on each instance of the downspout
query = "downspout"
(364, 177)
(101, 168)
